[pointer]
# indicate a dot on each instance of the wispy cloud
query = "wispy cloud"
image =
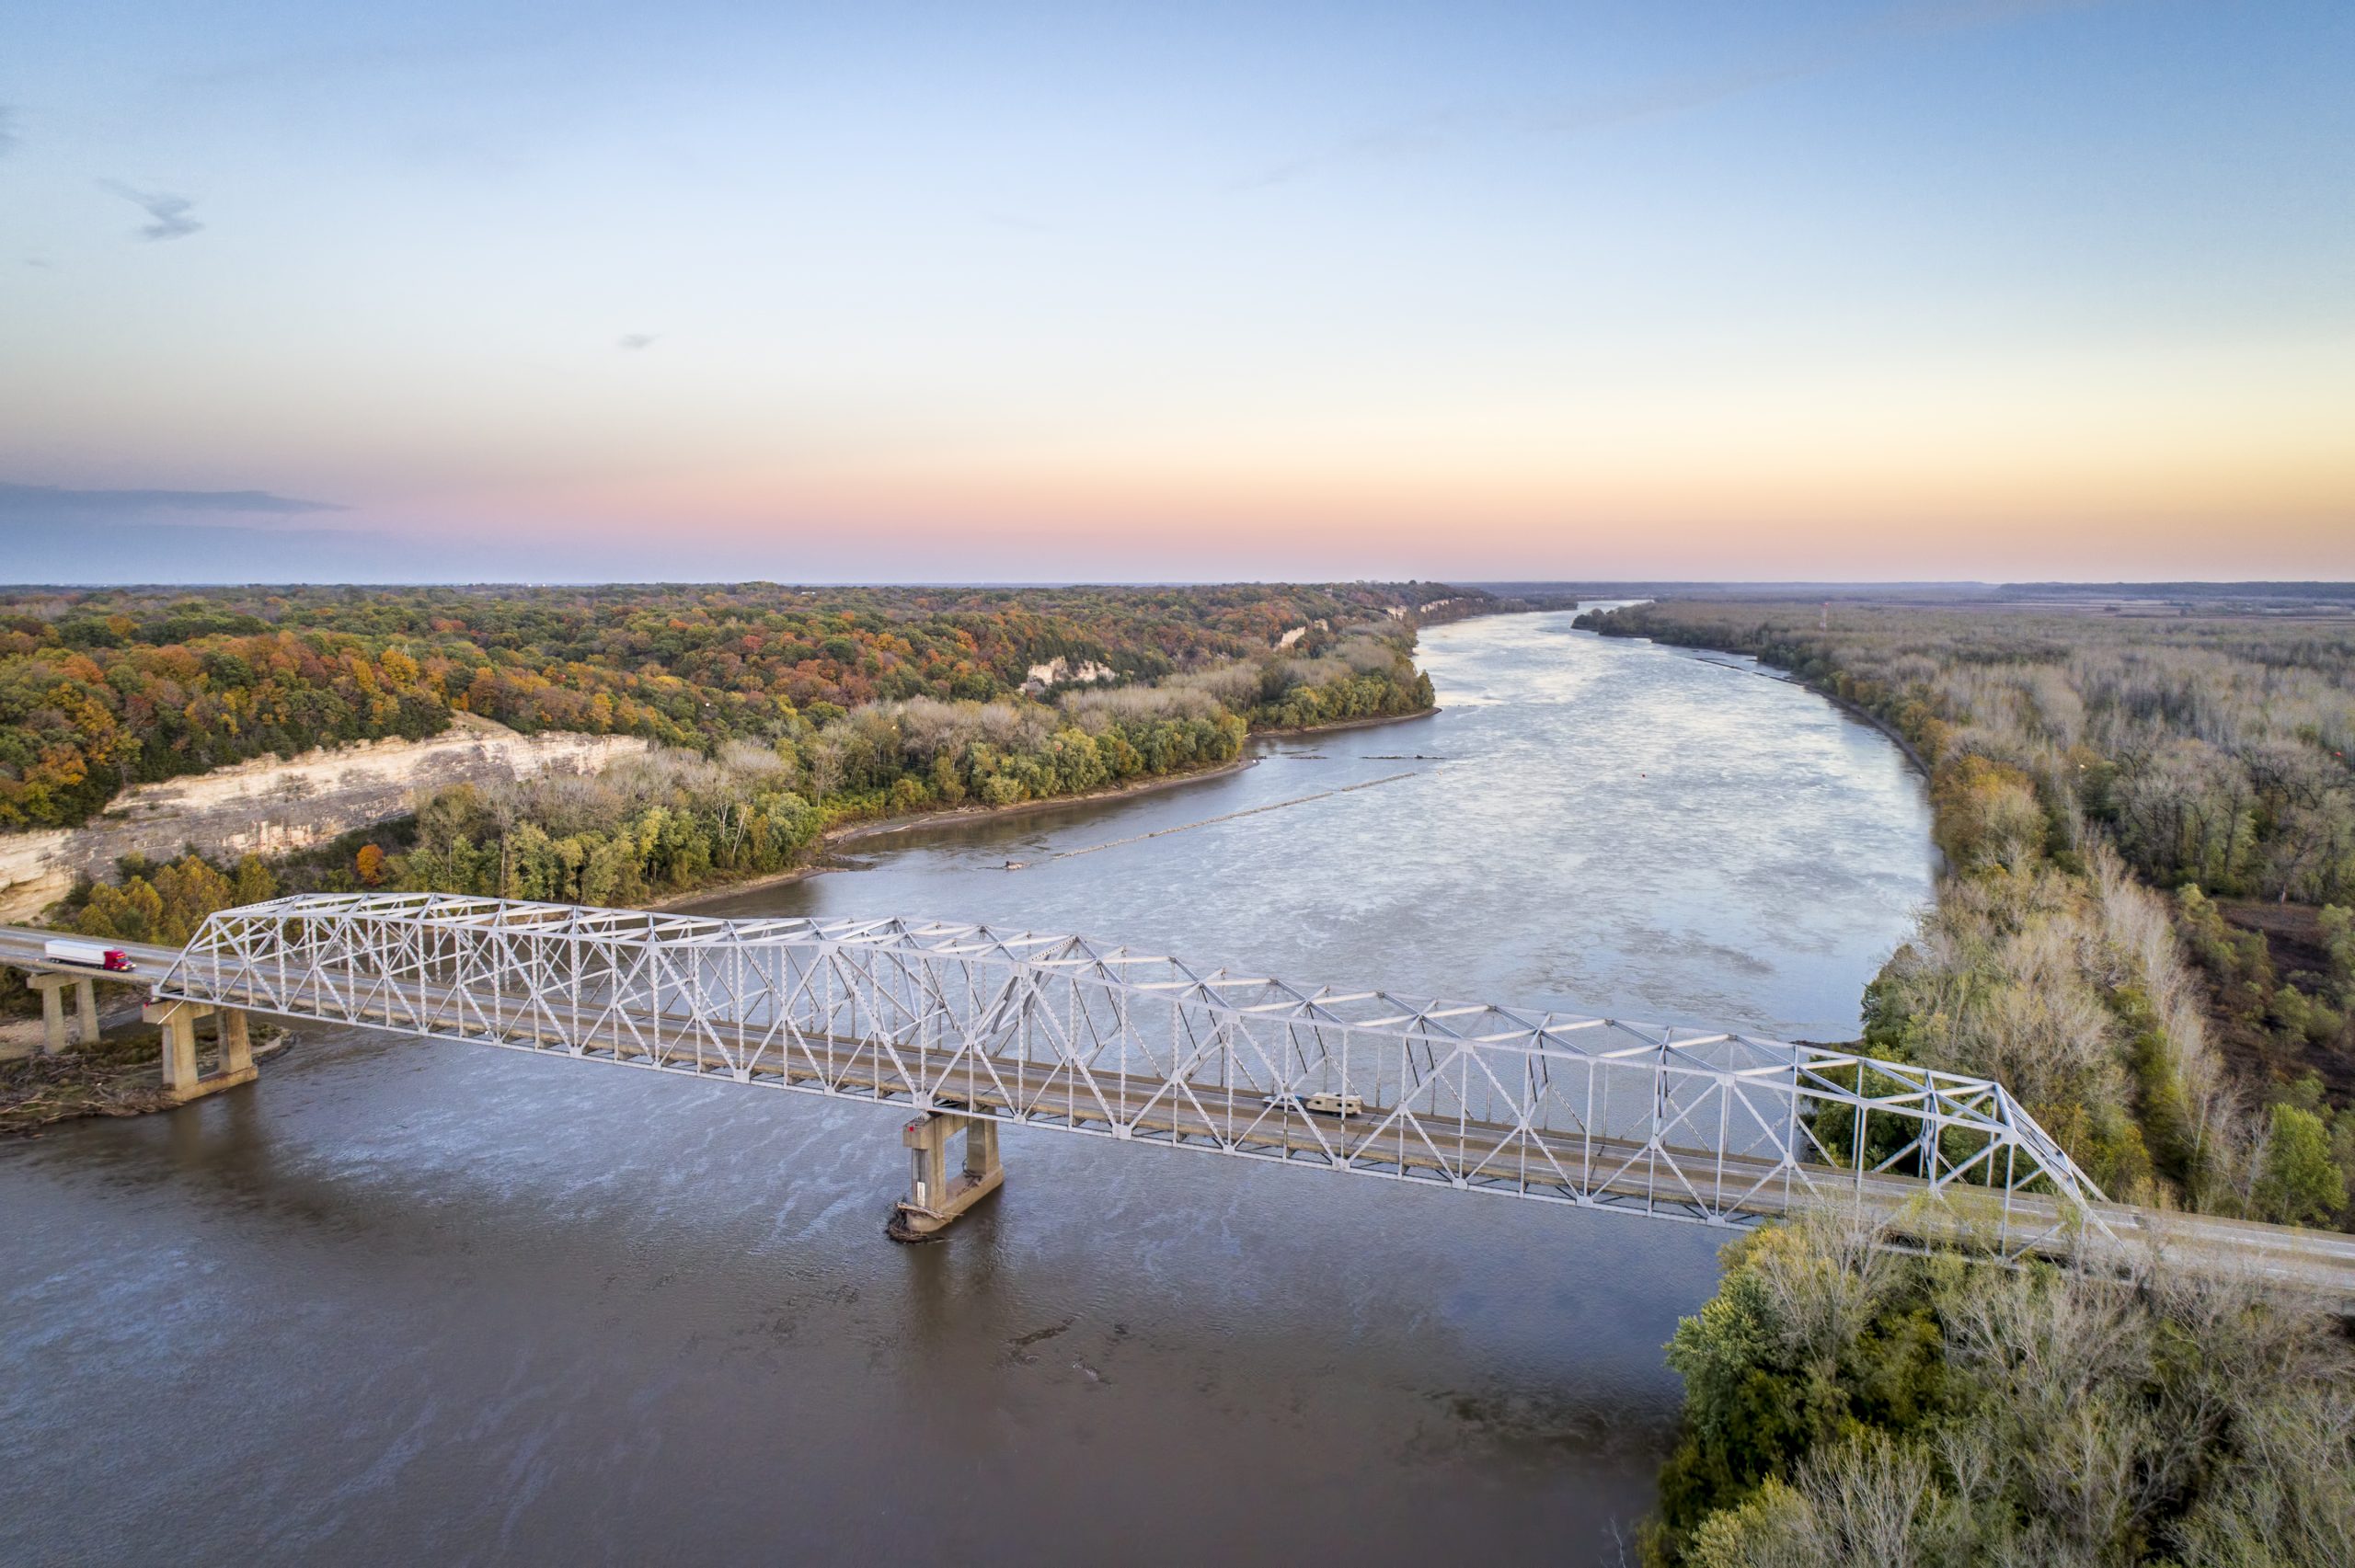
(170, 212)
(632, 342)
(1827, 52)
(55, 503)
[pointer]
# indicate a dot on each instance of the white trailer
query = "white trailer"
(86, 955)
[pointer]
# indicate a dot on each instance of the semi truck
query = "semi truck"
(87, 955)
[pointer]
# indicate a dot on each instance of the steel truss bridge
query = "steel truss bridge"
(1059, 1032)
(972, 1029)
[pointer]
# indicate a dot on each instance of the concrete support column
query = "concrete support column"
(927, 1142)
(936, 1197)
(53, 1013)
(86, 999)
(236, 1043)
(180, 1052)
(981, 1150)
(177, 1020)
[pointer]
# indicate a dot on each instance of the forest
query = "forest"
(106, 688)
(683, 818)
(2143, 930)
(1848, 1404)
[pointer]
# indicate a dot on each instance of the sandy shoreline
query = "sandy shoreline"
(854, 832)
(1338, 724)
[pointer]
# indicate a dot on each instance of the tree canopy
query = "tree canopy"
(107, 689)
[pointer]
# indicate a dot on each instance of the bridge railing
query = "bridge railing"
(1717, 1127)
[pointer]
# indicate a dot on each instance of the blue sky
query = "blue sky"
(885, 291)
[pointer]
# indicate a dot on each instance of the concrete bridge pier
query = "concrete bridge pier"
(935, 1194)
(52, 1009)
(178, 1020)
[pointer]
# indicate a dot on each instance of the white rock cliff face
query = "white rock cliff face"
(270, 806)
(1058, 671)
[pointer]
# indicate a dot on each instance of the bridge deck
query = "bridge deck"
(1583, 1168)
(1601, 1173)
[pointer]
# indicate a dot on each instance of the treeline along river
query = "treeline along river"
(407, 1302)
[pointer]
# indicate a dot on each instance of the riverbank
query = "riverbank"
(833, 839)
(1789, 678)
(1853, 709)
(854, 832)
(1859, 711)
(1373, 721)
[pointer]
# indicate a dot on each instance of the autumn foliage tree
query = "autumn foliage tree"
(167, 903)
(1986, 813)
(102, 690)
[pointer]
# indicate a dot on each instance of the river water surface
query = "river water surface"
(405, 1302)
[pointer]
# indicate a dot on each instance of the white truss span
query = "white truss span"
(1058, 1031)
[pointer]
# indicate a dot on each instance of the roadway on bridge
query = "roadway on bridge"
(1596, 1172)
(23, 949)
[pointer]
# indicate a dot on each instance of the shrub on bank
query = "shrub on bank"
(1848, 1405)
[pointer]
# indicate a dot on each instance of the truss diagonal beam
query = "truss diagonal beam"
(1725, 1128)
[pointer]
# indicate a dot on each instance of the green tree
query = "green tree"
(2300, 1182)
